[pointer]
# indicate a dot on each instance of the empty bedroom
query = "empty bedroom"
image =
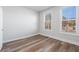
(39, 28)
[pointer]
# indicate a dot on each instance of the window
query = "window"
(69, 19)
(48, 22)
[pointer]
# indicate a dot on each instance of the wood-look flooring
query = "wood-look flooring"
(39, 43)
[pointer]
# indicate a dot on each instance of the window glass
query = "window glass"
(48, 21)
(69, 19)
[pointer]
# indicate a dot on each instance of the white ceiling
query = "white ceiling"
(38, 8)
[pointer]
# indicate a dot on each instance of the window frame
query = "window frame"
(45, 21)
(61, 14)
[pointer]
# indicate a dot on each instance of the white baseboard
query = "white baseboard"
(65, 40)
(20, 38)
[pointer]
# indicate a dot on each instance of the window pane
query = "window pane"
(69, 26)
(69, 13)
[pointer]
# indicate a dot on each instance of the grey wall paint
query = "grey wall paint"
(1, 15)
(55, 32)
(19, 22)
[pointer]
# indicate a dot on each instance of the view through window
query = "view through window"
(69, 19)
(48, 21)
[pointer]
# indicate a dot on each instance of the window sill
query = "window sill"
(75, 34)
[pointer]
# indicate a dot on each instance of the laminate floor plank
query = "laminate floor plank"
(39, 43)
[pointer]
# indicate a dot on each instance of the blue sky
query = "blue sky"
(69, 13)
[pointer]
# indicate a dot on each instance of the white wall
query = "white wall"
(19, 22)
(55, 32)
(1, 27)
